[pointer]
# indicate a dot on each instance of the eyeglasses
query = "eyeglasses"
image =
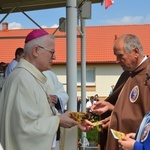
(147, 76)
(51, 51)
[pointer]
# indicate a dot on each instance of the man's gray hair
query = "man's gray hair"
(130, 42)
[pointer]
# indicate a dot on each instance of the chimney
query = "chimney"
(4, 26)
(115, 37)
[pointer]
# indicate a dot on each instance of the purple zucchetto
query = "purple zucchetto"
(35, 34)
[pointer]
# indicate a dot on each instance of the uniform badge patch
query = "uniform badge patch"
(134, 94)
(145, 132)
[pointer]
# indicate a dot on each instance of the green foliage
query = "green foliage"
(91, 135)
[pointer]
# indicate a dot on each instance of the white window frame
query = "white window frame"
(89, 72)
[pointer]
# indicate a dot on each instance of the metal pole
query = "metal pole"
(71, 135)
(72, 54)
(7, 14)
(83, 66)
(31, 19)
(85, 142)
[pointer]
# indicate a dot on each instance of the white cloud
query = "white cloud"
(54, 26)
(147, 19)
(127, 20)
(44, 26)
(132, 20)
(14, 25)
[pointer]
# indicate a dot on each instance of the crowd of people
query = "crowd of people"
(2, 73)
(89, 102)
(3, 66)
(32, 99)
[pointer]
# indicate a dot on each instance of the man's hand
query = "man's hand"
(86, 126)
(66, 121)
(127, 142)
(101, 107)
(106, 123)
(54, 99)
(130, 135)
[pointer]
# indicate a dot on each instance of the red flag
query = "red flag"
(108, 3)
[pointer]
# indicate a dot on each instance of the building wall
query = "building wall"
(60, 71)
(106, 75)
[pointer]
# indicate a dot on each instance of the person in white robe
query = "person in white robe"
(58, 94)
(28, 119)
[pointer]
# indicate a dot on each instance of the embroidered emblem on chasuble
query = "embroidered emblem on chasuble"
(134, 94)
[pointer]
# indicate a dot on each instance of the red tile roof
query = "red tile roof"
(99, 42)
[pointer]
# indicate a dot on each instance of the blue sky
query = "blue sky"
(121, 12)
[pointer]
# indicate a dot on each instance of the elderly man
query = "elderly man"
(28, 118)
(130, 99)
